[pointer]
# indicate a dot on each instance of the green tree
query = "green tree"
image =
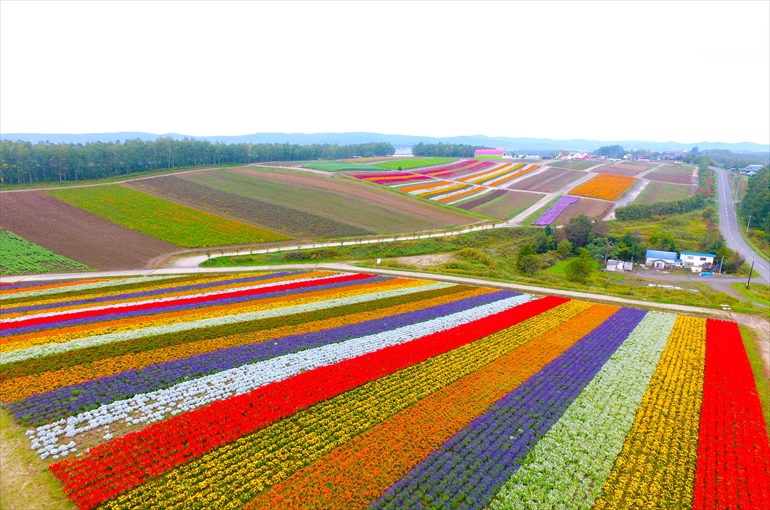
(662, 240)
(527, 261)
(542, 242)
(579, 230)
(611, 151)
(581, 268)
(564, 248)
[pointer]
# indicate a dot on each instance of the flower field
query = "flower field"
(318, 389)
(604, 186)
(476, 180)
(553, 212)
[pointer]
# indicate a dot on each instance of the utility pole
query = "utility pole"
(721, 263)
(606, 253)
(750, 273)
(747, 225)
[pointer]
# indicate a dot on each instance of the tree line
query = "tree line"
(453, 150)
(756, 202)
(642, 211)
(24, 162)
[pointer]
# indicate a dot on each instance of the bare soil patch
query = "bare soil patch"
(629, 170)
(670, 178)
(77, 234)
(548, 180)
(423, 261)
(589, 207)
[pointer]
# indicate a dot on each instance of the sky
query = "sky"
(658, 71)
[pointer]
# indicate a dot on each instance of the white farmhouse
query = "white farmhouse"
(697, 260)
(660, 259)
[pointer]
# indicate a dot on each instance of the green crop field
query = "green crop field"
(18, 256)
(341, 199)
(508, 205)
(338, 167)
(575, 165)
(406, 164)
(162, 219)
(674, 170)
(662, 192)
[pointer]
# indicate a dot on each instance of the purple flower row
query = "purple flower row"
(71, 400)
(555, 210)
(147, 293)
(188, 306)
(469, 469)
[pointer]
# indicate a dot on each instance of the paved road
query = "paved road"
(731, 230)
(391, 272)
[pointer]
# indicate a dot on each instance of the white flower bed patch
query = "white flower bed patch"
(449, 194)
(429, 190)
(82, 343)
(189, 395)
(568, 467)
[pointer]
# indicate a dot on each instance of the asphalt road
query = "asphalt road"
(728, 225)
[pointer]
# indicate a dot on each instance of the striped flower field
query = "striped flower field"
(314, 389)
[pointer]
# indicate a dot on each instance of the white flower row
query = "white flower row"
(568, 467)
(138, 301)
(82, 343)
(189, 395)
(505, 176)
(87, 286)
(430, 190)
(445, 195)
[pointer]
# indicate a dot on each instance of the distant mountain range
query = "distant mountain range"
(399, 141)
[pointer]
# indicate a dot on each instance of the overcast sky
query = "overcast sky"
(663, 71)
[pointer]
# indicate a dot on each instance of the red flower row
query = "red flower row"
(175, 302)
(733, 469)
(129, 461)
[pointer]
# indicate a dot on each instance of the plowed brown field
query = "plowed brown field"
(592, 208)
(76, 234)
(548, 180)
(629, 170)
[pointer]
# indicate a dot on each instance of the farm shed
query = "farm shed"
(695, 259)
(660, 259)
(490, 153)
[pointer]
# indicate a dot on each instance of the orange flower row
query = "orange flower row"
(431, 184)
(605, 186)
(517, 174)
(360, 470)
(22, 387)
(165, 319)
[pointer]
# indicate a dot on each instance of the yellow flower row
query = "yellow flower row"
(22, 387)
(656, 468)
(232, 475)
(210, 312)
(169, 285)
